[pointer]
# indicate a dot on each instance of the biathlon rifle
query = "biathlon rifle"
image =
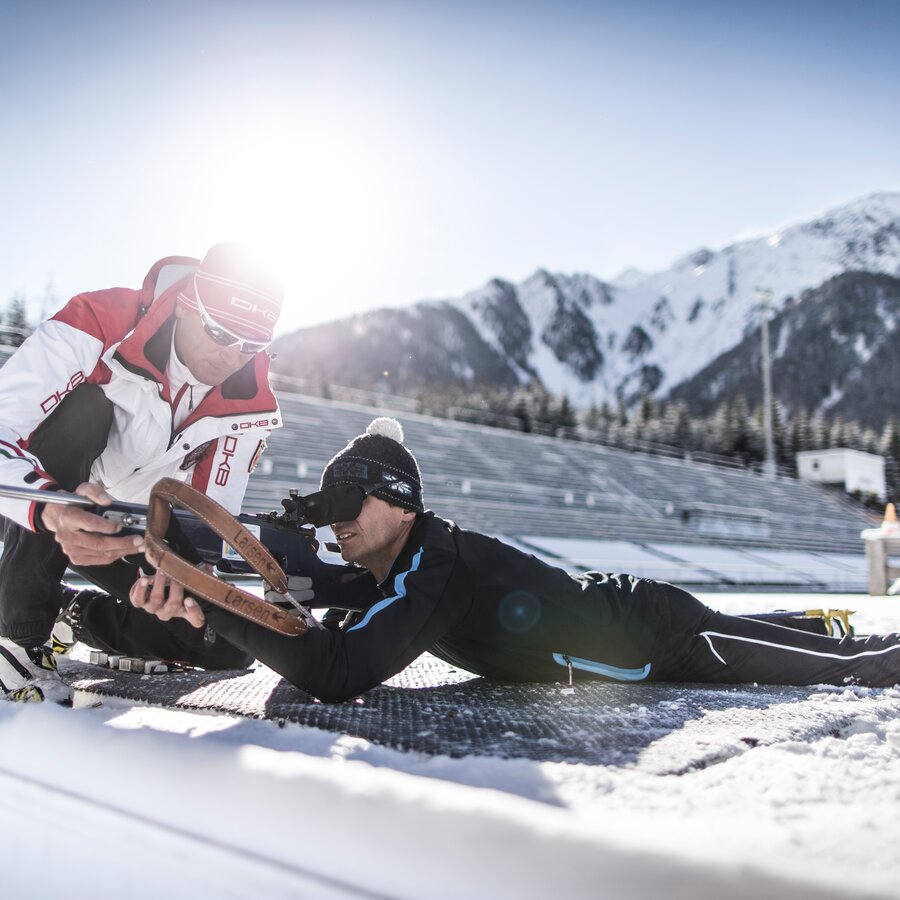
(289, 535)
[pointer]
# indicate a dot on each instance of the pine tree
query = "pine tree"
(719, 436)
(539, 404)
(653, 431)
(870, 442)
(522, 413)
(676, 430)
(591, 420)
(837, 433)
(615, 433)
(565, 416)
(606, 414)
(796, 438)
(853, 436)
(744, 431)
(804, 430)
(818, 432)
(16, 321)
(890, 448)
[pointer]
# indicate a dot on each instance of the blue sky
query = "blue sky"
(383, 153)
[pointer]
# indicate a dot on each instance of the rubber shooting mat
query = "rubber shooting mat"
(432, 708)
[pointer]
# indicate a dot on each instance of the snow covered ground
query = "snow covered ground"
(144, 802)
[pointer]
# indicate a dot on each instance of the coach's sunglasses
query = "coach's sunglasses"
(222, 336)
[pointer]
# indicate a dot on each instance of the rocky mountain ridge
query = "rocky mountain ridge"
(593, 340)
(834, 350)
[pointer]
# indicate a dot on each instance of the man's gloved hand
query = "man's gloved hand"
(299, 592)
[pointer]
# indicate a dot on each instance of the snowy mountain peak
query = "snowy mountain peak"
(651, 331)
(645, 332)
(629, 277)
(710, 296)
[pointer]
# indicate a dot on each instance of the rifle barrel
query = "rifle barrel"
(62, 497)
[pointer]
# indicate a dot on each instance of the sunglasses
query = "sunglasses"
(222, 336)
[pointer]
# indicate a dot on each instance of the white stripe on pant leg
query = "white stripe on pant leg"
(705, 634)
(746, 640)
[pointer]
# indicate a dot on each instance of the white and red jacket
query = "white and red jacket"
(121, 339)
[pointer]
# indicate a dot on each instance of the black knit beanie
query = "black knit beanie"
(375, 457)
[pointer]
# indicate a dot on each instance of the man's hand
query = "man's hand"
(165, 599)
(85, 538)
(299, 592)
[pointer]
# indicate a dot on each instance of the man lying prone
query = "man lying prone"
(482, 605)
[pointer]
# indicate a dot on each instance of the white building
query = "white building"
(852, 470)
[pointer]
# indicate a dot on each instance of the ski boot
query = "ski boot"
(29, 675)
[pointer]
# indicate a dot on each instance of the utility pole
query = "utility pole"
(764, 297)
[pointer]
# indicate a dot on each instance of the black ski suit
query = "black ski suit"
(498, 612)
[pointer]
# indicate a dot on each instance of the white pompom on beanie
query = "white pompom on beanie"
(379, 457)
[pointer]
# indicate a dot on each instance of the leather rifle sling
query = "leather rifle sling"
(167, 493)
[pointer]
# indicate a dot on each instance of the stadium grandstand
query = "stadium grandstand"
(584, 506)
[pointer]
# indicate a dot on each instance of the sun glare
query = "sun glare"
(309, 202)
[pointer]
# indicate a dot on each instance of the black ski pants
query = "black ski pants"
(32, 565)
(699, 644)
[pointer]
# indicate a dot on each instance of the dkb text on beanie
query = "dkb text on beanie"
(237, 292)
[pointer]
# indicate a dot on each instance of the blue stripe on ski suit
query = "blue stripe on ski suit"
(588, 665)
(399, 592)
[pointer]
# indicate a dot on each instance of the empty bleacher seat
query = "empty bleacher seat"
(630, 506)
